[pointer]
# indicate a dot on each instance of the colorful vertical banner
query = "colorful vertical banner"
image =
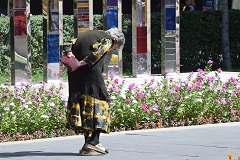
(112, 18)
(170, 15)
(51, 41)
(83, 15)
(170, 42)
(112, 13)
(20, 41)
(20, 23)
(170, 19)
(53, 48)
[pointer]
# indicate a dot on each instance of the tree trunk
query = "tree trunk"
(225, 36)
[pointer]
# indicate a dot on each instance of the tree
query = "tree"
(225, 36)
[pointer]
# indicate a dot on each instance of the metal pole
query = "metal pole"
(120, 59)
(51, 53)
(141, 22)
(170, 56)
(61, 36)
(110, 20)
(134, 41)
(148, 17)
(20, 41)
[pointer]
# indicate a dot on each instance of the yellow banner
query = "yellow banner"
(82, 5)
(83, 29)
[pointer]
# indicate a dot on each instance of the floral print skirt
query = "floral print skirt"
(86, 114)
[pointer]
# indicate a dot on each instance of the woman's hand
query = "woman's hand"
(82, 63)
(70, 54)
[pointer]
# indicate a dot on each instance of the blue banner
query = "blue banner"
(170, 19)
(112, 18)
(53, 48)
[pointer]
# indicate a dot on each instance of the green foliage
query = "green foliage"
(200, 40)
(5, 23)
(68, 31)
(98, 22)
(4, 47)
(37, 41)
(234, 37)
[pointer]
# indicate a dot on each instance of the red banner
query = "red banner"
(20, 23)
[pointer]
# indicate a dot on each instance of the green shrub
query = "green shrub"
(4, 47)
(200, 40)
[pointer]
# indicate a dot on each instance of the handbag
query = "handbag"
(70, 62)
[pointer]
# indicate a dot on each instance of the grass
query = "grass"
(37, 76)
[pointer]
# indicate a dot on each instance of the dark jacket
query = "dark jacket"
(88, 80)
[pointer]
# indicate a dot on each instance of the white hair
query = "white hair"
(118, 35)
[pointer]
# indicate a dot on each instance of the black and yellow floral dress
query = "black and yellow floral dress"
(88, 104)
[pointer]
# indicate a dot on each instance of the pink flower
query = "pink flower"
(139, 67)
(55, 106)
(165, 84)
(177, 89)
(116, 81)
(5, 95)
(155, 89)
(211, 79)
(233, 95)
(190, 88)
(167, 108)
(200, 70)
(199, 85)
(237, 91)
(148, 111)
(37, 97)
(166, 72)
(233, 111)
(210, 62)
(23, 84)
(111, 76)
(131, 86)
(144, 106)
(201, 78)
(113, 89)
(127, 101)
(152, 80)
(219, 70)
(8, 80)
(104, 74)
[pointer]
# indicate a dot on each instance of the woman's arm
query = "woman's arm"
(99, 49)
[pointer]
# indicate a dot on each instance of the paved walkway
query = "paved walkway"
(206, 142)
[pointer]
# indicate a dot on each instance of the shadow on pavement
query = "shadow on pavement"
(35, 153)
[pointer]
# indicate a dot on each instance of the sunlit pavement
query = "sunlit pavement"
(206, 142)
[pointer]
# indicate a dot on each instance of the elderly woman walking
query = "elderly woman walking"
(88, 110)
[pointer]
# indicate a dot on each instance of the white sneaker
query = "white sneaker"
(98, 148)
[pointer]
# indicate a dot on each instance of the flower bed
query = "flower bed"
(31, 112)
